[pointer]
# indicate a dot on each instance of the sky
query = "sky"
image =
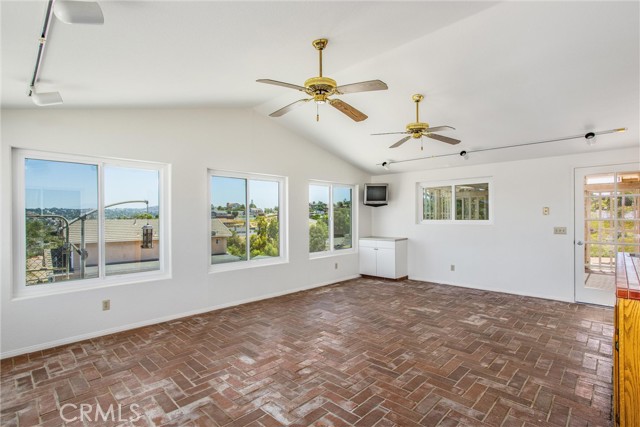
(54, 184)
(320, 193)
(233, 190)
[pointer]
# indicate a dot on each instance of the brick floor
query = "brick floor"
(364, 352)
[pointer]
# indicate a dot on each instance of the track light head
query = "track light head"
(385, 165)
(78, 12)
(590, 137)
(464, 155)
(46, 98)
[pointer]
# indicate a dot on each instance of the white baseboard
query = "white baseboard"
(83, 337)
(493, 289)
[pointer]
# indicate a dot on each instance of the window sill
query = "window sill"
(243, 265)
(53, 289)
(455, 222)
(318, 255)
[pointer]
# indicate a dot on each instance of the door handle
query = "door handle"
(579, 243)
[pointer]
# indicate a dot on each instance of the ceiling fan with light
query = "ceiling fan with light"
(419, 129)
(321, 88)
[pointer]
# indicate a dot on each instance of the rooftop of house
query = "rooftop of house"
(129, 230)
(115, 230)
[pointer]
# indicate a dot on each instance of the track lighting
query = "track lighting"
(78, 12)
(69, 12)
(589, 136)
(46, 98)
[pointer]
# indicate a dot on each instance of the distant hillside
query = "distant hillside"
(111, 213)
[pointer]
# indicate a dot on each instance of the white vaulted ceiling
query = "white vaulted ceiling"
(500, 73)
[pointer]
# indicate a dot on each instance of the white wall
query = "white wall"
(518, 253)
(191, 141)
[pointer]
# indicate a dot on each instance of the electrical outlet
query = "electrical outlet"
(453, 267)
(559, 230)
(336, 266)
(106, 304)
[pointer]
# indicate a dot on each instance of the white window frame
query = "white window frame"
(420, 186)
(22, 290)
(354, 219)
(282, 227)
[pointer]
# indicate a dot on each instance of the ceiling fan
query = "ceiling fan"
(321, 88)
(419, 129)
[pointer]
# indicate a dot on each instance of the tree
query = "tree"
(342, 220)
(143, 215)
(265, 241)
(318, 235)
(236, 246)
(41, 235)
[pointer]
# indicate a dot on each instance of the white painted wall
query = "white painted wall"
(518, 253)
(191, 140)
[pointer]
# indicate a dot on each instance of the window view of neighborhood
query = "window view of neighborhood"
(471, 202)
(612, 223)
(62, 221)
(232, 222)
(321, 198)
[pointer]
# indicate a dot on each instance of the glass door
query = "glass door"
(607, 222)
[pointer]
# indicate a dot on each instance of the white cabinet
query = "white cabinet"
(383, 257)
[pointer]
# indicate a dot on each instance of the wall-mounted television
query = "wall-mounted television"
(376, 194)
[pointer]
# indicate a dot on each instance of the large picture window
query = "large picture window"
(83, 220)
(331, 217)
(459, 201)
(247, 217)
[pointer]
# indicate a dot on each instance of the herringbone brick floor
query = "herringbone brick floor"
(364, 352)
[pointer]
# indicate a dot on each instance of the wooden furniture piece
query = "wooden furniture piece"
(384, 257)
(626, 354)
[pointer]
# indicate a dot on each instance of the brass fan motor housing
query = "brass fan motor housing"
(417, 128)
(320, 86)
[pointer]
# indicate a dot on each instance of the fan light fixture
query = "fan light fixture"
(419, 129)
(69, 12)
(590, 136)
(320, 88)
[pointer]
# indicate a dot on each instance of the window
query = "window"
(331, 217)
(246, 218)
(87, 221)
(460, 201)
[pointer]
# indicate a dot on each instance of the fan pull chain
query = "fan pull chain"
(318, 111)
(421, 144)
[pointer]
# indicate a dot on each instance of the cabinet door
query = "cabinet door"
(368, 261)
(386, 263)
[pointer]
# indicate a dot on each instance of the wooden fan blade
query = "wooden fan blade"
(391, 133)
(362, 87)
(402, 141)
(442, 138)
(286, 109)
(438, 129)
(348, 110)
(283, 84)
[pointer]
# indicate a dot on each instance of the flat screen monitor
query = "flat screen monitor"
(376, 194)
